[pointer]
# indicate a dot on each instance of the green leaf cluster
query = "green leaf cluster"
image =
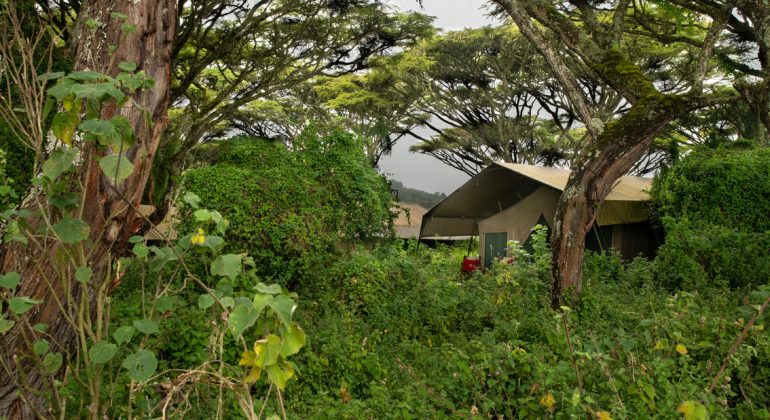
(290, 209)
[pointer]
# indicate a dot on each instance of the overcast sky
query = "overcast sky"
(422, 171)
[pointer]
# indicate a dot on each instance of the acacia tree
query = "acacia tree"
(112, 37)
(597, 37)
(233, 53)
(486, 99)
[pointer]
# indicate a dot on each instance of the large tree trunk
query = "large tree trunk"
(614, 153)
(108, 207)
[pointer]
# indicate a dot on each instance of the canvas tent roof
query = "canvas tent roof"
(501, 185)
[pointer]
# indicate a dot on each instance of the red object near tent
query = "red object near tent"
(471, 264)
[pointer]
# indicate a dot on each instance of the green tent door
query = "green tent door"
(495, 246)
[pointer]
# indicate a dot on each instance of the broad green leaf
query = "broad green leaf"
(260, 301)
(52, 362)
(97, 91)
(70, 230)
(22, 304)
(279, 374)
(49, 105)
(40, 347)
(284, 307)
(229, 302)
(116, 167)
(227, 265)
(162, 256)
(51, 75)
(141, 250)
(102, 352)
(202, 215)
(692, 410)
(115, 132)
(63, 126)
(123, 334)
(117, 15)
(98, 127)
(205, 301)
(10, 280)
(61, 89)
(220, 221)
(191, 199)
(267, 350)
(140, 365)
(273, 289)
(128, 66)
(136, 239)
(41, 327)
(214, 243)
(293, 341)
(83, 274)
(242, 317)
(6, 325)
(58, 162)
(145, 326)
(86, 76)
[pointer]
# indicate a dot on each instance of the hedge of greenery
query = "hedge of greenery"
(715, 207)
(293, 210)
(727, 187)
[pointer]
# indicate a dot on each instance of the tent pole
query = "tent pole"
(470, 241)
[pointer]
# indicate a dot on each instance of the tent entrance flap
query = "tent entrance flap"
(496, 246)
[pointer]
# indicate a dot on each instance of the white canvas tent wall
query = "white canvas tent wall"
(511, 198)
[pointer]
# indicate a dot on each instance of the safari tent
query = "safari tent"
(407, 223)
(505, 201)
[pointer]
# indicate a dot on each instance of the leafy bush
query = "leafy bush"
(728, 187)
(714, 206)
(696, 254)
(292, 210)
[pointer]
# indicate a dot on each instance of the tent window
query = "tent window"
(496, 246)
(528, 243)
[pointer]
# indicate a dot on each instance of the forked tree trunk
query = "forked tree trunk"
(604, 161)
(107, 205)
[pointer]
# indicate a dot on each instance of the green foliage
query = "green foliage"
(292, 209)
(8, 188)
(728, 187)
(697, 254)
(399, 334)
(714, 206)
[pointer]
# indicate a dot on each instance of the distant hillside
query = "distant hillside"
(414, 196)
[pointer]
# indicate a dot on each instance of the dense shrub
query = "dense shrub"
(697, 254)
(292, 209)
(714, 206)
(728, 187)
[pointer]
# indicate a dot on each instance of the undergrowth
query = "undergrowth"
(397, 332)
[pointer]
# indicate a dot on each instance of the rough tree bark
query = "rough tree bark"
(610, 152)
(107, 206)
